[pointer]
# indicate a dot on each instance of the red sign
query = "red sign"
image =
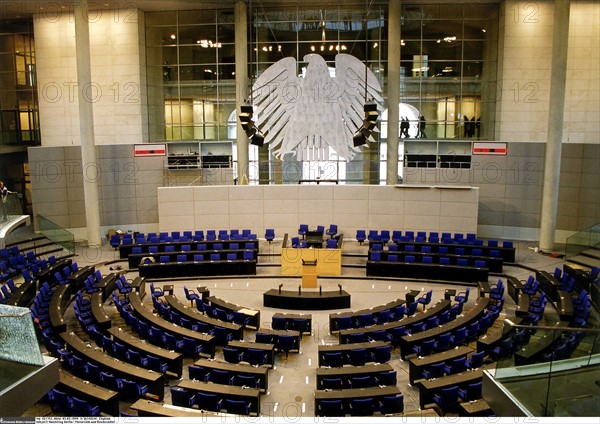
(150, 150)
(489, 149)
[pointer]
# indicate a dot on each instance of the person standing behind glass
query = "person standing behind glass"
(422, 125)
(4, 192)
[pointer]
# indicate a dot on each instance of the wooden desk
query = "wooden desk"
(107, 400)
(108, 285)
(346, 395)
(427, 388)
(194, 315)
(408, 342)
(153, 380)
(427, 271)
(531, 352)
(411, 295)
(494, 336)
(173, 360)
(329, 261)
(418, 365)
(306, 300)
(260, 373)
(225, 392)
(24, 295)
(148, 408)
(268, 348)
(98, 313)
(345, 373)
(477, 408)
(77, 279)
(514, 287)
(436, 309)
(58, 304)
(47, 275)
(205, 340)
(252, 314)
(345, 348)
(561, 299)
(199, 268)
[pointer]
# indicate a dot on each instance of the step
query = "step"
(591, 253)
(584, 261)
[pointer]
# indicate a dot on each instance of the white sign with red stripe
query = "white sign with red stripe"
(150, 150)
(489, 149)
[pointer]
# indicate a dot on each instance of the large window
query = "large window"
(448, 74)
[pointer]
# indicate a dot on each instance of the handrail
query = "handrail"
(57, 234)
(549, 327)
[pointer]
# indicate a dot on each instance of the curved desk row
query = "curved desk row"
(333, 318)
(106, 399)
(260, 373)
(306, 300)
(252, 315)
(427, 271)
(248, 394)
(199, 268)
(205, 340)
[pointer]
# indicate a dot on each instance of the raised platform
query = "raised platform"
(306, 300)
(12, 224)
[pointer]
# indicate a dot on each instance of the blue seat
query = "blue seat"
(387, 378)
(82, 408)
(265, 338)
(332, 230)
(256, 356)
(238, 407)
(286, 343)
(208, 401)
(362, 407)
(110, 381)
(476, 360)
(135, 357)
(362, 382)
(344, 322)
(332, 383)
(279, 323)
(270, 234)
(155, 364)
(182, 397)
(232, 355)
(443, 342)
(426, 299)
(246, 381)
(132, 389)
(382, 354)
(361, 236)
(172, 343)
(302, 230)
(197, 372)
(222, 335)
(456, 366)
(220, 377)
(447, 399)
(462, 296)
(409, 259)
(436, 370)
(303, 325)
(331, 408)
(357, 356)
(471, 392)
(191, 347)
(391, 404)
(332, 359)
(425, 348)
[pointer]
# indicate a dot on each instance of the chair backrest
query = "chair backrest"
(240, 407)
(208, 401)
(331, 408)
(392, 404)
(255, 356)
(245, 381)
(362, 382)
(181, 397)
(232, 355)
(332, 359)
(362, 407)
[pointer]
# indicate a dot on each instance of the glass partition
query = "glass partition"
(11, 208)
(57, 234)
(582, 241)
(555, 373)
(18, 341)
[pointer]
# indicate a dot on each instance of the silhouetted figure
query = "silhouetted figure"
(471, 132)
(167, 71)
(478, 127)
(422, 125)
(466, 126)
(404, 126)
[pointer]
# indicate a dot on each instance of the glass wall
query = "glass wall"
(448, 74)
(18, 94)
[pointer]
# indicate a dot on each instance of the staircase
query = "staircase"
(583, 248)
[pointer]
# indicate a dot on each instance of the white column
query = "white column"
(560, 44)
(86, 124)
(241, 83)
(393, 91)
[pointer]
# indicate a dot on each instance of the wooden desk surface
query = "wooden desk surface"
(148, 408)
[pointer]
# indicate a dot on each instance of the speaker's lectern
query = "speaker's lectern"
(309, 274)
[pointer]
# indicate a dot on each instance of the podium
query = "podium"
(309, 274)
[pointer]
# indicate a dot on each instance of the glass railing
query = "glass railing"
(582, 240)
(10, 208)
(556, 373)
(56, 234)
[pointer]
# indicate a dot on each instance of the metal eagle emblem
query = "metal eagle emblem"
(305, 115)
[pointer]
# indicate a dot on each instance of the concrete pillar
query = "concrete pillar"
(242, 92)
(86, 124)
(393, 91)
(560, 44)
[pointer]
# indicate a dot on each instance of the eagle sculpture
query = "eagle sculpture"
(306, 115)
